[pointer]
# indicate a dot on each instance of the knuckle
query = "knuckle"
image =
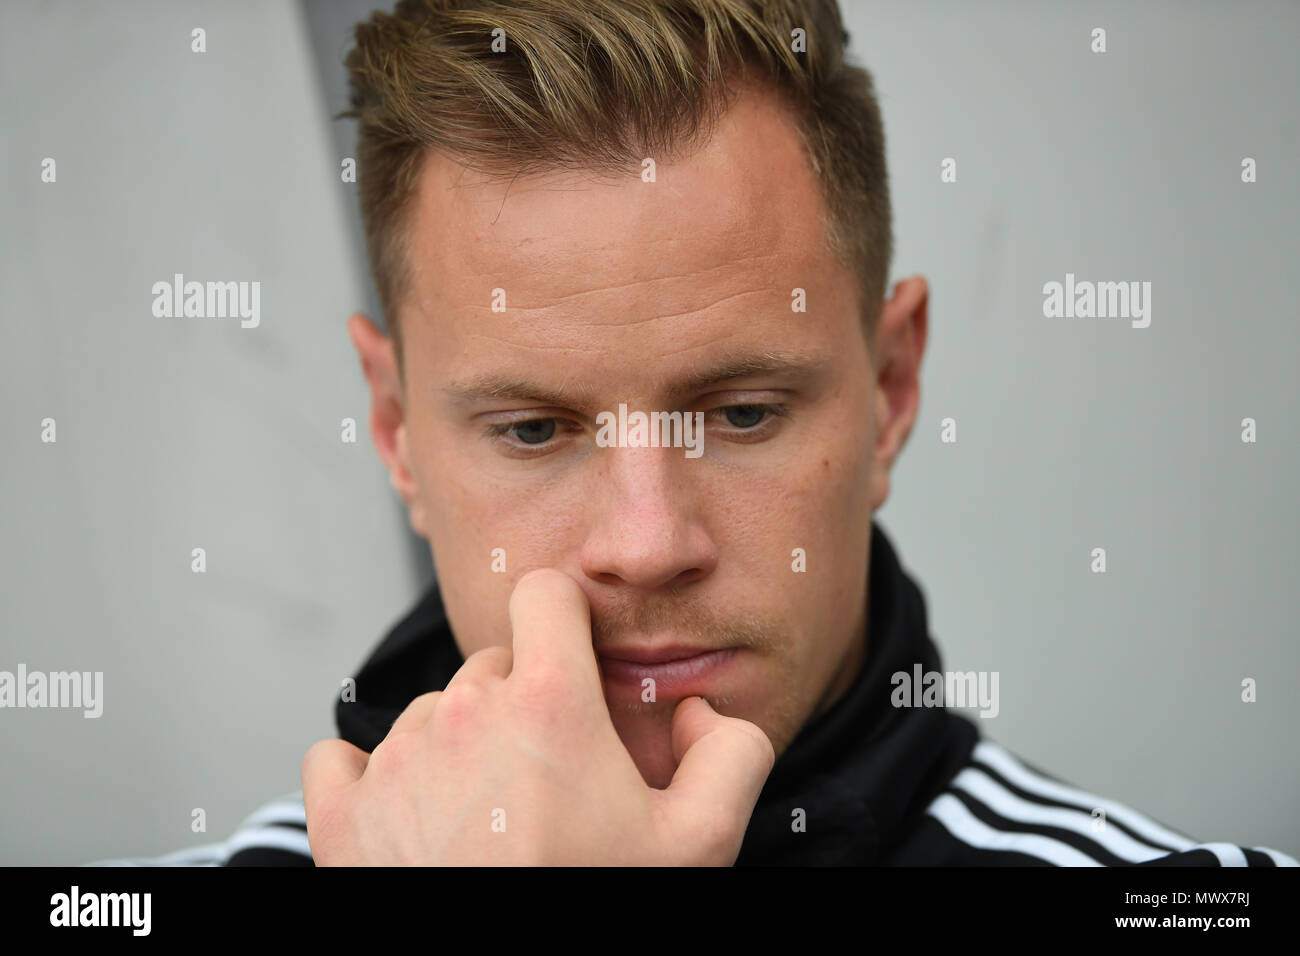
(495, 656)
(389, 760)
(315, 754)
(461, 705)
(417, 712)
(397, 743)
(427, 699)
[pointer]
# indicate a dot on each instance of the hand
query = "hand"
(518, 763)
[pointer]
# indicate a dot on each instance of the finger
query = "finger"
(722, 761)
(417, 713)
(486, 664)
(329, 766)
(550, 622)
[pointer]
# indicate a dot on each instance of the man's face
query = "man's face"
(672, 295)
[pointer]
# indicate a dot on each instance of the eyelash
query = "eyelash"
(501, 430)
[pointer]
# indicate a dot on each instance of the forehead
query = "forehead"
(741, 213)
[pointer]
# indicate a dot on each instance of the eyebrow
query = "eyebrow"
(791, 366)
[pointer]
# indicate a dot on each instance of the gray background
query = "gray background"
(1072, 434)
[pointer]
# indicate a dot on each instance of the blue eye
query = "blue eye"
(745, 416)
(535, 432)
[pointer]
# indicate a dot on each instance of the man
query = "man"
(642, 393)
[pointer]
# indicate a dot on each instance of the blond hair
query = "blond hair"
(600, 84)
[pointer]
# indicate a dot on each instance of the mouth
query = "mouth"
(674, 670)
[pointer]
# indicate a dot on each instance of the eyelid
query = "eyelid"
(776, 409)
(561, 422)
(527, 416)
(774, 414)
(500, 431)
(499, 434)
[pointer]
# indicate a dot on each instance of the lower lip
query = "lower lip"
(680, 676)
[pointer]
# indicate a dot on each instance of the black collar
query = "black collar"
(862, 773)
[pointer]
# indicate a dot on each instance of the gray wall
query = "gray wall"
(176, 433)
(1072, 434)
(1083, 433)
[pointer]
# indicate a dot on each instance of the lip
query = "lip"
(674, 670)
(654, 655)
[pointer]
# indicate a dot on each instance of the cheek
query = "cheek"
(827, 513)
(830, 482)
(475, 577)
(485, 534)
(470, 512)
(471, 550)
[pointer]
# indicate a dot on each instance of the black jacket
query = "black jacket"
(876, 783)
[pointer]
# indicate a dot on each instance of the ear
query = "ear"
(388, 425)
(899, 346)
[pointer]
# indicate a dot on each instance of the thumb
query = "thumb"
(722, 763)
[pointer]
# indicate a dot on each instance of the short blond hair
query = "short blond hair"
(600, 84)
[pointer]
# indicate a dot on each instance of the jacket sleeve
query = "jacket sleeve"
(273, 835)
(1223, 854)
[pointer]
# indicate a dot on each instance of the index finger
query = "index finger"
(550, 621)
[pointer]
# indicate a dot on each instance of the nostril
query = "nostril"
(686, 577)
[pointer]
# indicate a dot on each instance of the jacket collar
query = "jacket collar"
(862, 773)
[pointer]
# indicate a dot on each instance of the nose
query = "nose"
(646, 529)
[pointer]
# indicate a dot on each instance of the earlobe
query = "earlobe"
(400, 471)
(402, 478)
(879, 487)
